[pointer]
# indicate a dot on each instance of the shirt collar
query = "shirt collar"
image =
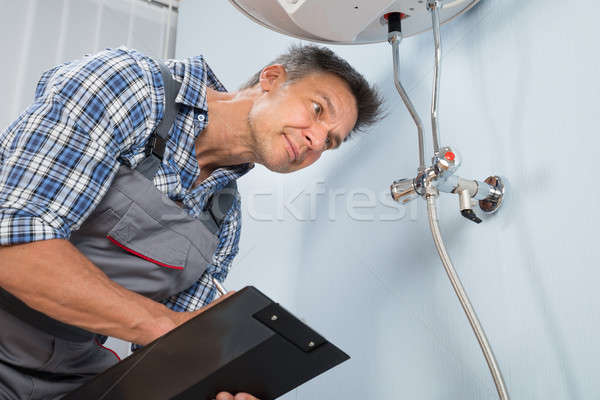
(197, 199)
(196, 75)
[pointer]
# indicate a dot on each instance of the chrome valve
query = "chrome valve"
(446, 162)
(403, 190)
(441, 177)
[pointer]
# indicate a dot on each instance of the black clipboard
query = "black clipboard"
(246, 343)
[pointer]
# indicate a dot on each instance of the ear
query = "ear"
(272, 77)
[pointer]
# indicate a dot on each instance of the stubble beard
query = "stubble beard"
(261, 147)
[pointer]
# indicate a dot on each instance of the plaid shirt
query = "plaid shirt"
(89, 116)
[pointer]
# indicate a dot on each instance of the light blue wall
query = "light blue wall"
(520, 92)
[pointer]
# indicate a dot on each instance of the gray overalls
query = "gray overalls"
(141, 240)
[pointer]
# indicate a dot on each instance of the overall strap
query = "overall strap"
(16, 307)
(218, 205)
(155, 150)
(157, 142)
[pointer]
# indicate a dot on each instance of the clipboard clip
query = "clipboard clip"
(291, 328)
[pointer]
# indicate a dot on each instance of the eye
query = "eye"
(317, 108)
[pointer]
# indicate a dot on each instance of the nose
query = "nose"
(315, 136)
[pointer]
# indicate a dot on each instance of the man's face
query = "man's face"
(293, 123)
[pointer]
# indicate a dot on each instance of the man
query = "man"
(78, 203)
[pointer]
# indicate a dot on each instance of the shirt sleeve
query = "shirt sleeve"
(59, 157)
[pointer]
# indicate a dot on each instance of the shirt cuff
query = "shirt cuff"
(18, 227)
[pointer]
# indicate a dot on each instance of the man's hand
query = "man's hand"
(239, 396)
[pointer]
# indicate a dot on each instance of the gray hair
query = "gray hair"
(301, 61)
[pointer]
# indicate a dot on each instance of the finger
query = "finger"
(244, 396)
(224, 396)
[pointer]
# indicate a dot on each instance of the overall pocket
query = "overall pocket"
(144, 256)
(142, 236)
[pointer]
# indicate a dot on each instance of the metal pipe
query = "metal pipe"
(25, 36)
(462, 296)
(98, 34)
(166, 43)
(62, 35)
(132, 4)
(453, 3)
(394, 39)
(479, 190)
(434, 6)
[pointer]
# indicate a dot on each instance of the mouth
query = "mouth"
(292, 152)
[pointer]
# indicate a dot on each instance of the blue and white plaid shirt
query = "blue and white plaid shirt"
(58, 159)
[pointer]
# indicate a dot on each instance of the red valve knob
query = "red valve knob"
(450, 156)
(402, 16)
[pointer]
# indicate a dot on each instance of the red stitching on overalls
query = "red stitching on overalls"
(106, 348)
(141, 255)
